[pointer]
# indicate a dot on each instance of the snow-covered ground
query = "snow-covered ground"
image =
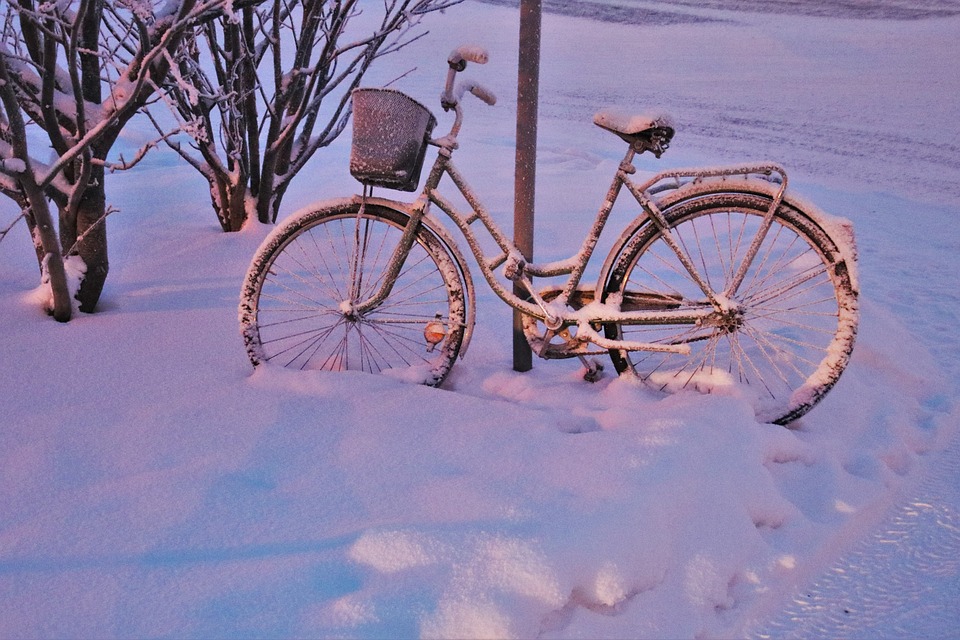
(151, 485)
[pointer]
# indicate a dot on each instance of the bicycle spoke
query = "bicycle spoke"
(681, 241)
(310, 339)
(780, 289)
(337, 357)
(287, 321)
(651, 274)
(303, 277)
(762, 262)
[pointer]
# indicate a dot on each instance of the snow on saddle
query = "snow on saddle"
(643, 132)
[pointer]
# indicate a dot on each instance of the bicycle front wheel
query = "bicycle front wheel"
(792, 321)
(298, 300)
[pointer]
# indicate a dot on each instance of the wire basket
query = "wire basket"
(390, 135)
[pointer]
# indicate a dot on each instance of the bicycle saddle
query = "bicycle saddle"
(644, 132)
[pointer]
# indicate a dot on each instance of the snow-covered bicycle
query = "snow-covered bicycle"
(722, 280)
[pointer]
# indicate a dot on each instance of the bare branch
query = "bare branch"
(83, 236)
(142, 152)
(6, 230)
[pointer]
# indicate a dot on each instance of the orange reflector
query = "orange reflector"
(434, 332)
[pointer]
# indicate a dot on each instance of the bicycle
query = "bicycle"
(722, 279)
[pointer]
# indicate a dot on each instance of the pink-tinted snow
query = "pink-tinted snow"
(152, 485)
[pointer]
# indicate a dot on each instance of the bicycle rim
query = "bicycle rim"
(793, 331)
(305, 287)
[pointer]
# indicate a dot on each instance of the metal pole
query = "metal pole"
(528, 81)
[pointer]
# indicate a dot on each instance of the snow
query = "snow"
(471, 52)
(13, 165)
(152, 484)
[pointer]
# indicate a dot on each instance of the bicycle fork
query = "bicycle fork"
(394, 266)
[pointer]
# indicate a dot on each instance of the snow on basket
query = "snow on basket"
(390, 135)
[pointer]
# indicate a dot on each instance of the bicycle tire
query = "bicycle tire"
(296, 301)
(797, 308)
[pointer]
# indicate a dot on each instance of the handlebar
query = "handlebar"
(457, 61)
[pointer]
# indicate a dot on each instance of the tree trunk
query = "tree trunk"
(32, 199)
(61, 308)
(229, 200)
(90, 223)
(266, 212)
(34, 236)
(92, 248)
(275, 199)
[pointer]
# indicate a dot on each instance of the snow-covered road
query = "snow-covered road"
(903, 581)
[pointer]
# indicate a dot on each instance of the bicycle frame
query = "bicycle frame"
(556, 313)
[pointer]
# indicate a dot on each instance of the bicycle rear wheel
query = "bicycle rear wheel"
(795, 318)
(298, 299)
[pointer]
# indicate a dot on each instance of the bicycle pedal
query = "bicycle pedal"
(594, 370)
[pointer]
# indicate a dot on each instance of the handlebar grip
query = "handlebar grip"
(468, 85)
(484, 94)
(459, 56)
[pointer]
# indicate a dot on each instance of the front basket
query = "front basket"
(390, 135)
